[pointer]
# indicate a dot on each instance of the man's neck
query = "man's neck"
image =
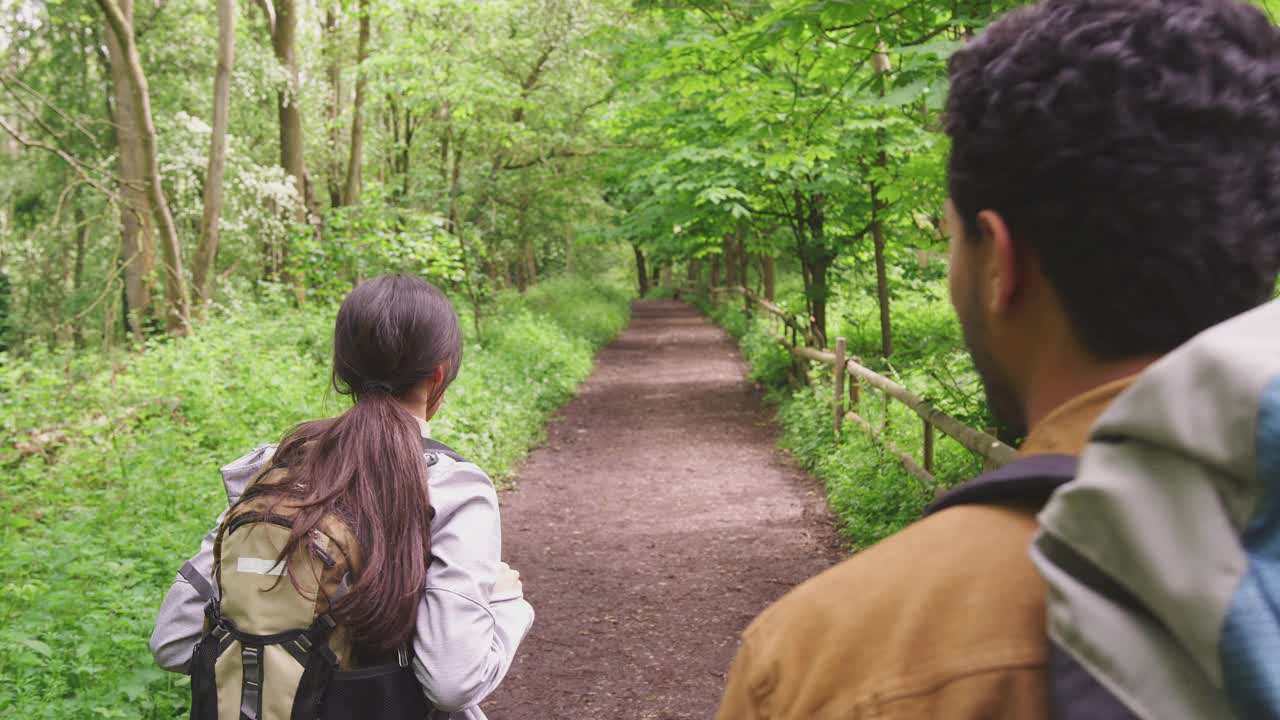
(1058, 385)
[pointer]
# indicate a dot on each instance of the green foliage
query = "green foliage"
(363, 241)
(108, 470)
(490, 115)
(929, 352)
(868, 490)
(732, 319)
(769, 359)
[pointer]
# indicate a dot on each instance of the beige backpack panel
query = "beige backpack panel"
(230, 674)
(258, 593)
(281, 673)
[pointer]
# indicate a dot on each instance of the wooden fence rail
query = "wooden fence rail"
(993, 452)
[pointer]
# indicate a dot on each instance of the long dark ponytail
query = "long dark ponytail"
(366, 465)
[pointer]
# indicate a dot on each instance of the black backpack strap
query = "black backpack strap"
(1026, 481)
(431, 446)
(204, 659)
(1075, 694)
(319, 665)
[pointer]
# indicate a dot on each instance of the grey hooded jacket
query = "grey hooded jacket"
(466, 634)
(1163, 556)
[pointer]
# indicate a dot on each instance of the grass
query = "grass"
(108, 471)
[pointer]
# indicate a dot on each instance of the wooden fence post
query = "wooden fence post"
(839, 385)
(989, 464)
(928, 446)
(855, 388)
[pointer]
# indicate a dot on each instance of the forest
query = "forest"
(187, 188)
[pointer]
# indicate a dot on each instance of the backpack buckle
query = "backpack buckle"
(402, 656)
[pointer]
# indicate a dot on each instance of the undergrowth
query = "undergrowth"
(870, 493)
(108, 471)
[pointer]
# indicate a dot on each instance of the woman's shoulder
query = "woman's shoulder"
(454, 483)
(448, 472)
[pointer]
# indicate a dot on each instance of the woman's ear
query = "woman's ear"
(435, 383)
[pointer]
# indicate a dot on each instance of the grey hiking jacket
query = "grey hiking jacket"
(1163, 556)
(466, 635)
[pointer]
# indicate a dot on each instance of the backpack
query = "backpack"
(273, 652)
(1028, 483)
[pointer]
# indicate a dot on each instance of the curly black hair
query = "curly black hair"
(1134, 147)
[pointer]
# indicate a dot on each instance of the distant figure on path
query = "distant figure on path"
(357, 572)
(1115, 191)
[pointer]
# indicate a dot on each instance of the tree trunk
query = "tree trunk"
(82, 241)
(768, 269)
(640, 270)
(207, 252)
(352, 192)
(568, 250)
(403, 124)
(882, 67)
(715, 271)
(530, 261)
(730, 261)
(135, 215)
(177, 314)
(454, 174)
(6, 301)
(284, 32)
(451, 170)
(882, 282)
(333, 109)
(815, 259)
(77, 271)
(815, 270)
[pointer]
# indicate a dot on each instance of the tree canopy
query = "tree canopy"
(164, 158)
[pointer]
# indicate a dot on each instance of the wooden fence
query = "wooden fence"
(993, 452)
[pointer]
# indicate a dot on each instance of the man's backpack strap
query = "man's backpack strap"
(432, 446)
(1026, 481)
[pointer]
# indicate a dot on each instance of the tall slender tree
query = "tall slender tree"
(137, 256)
(177, 297)
(282, 24)
(351, 193)
(207, 252)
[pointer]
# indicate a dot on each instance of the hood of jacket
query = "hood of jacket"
(1163, 556)
(237, 474)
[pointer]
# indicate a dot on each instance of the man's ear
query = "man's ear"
(1003, 272)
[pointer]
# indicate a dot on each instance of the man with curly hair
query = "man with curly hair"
(1115, 193)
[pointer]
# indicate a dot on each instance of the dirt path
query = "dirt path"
(656, 522)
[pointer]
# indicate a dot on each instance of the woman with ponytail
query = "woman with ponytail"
(407, 531)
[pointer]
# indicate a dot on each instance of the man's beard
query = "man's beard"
(1006, 408)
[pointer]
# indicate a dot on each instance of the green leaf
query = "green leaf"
(36, 646)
